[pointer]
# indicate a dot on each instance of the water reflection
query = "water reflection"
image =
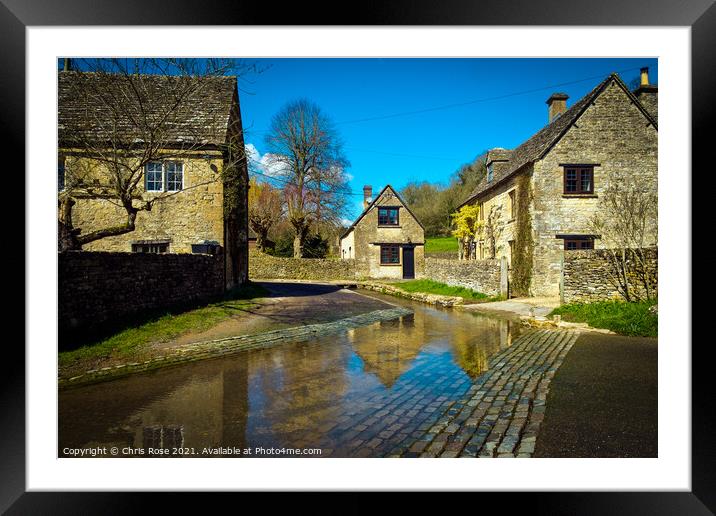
(324, 393)
(388, 348)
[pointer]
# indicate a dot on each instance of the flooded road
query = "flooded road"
(358, 394)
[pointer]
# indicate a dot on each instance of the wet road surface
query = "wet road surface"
(366, 392)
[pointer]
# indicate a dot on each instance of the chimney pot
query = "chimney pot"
(556, 105)
(367, 195)
(644, 76)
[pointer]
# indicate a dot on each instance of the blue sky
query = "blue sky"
(429, 145)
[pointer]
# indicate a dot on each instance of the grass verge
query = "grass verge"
(163, 328)
(434, 287)
(633, 319)
(441, 244)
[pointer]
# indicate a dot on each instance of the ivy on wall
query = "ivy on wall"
(522, 258)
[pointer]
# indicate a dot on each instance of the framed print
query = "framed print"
(431, 233)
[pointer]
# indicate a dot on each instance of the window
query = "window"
(167, 176)
(60, 173)
(389, 254)
(206, 248)
(175, 176)
(151, 247)
(578, 180)
(574, 244)
(490, 173)
(512, 204)
(154, 177)
(387, 216)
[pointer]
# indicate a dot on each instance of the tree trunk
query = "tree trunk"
(128, 227)
(261, 239)
(299, 241)
(66, 232)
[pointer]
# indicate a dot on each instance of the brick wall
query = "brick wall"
(586, 276)
(264, 266)
(480, 275)
(98, 289)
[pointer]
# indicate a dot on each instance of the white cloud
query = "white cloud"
(346, 222)
(252, 153)
(262, 165)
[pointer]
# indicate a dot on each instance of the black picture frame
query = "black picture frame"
(17, 15)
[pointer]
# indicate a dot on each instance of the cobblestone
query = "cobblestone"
(508, 404)
(496, 415)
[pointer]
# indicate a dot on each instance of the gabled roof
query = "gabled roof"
(538, 145)
(367, 209)
(100, 107)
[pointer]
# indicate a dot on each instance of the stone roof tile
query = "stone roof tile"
(97, 108)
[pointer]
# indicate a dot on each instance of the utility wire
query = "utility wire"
(474, 101)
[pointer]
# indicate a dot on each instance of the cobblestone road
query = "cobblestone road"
(503, 411)
(497, 415)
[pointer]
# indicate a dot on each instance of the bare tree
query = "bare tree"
(305, 150)
(117, 116)
(265, 211)
(627, 224)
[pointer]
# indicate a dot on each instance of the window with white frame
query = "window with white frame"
(154, 177)
(175, 176)
(164, 176)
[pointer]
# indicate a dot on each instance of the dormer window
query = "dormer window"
(490, 173)
(388, 216)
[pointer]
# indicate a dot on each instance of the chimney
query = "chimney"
(68, 64)
(367, 194)
(644, 81)
(557, 104)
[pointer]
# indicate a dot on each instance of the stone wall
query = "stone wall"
(190, 217)
(496, 212)
(480, 275)
(100, 289)
(212, 206)
(264, 266)
(586, 276)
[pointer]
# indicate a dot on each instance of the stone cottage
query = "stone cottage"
(386, 240)
(197, 174)
(537, 199)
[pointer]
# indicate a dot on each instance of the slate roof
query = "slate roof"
(367, 209)
(99, 108)
(541, 142)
